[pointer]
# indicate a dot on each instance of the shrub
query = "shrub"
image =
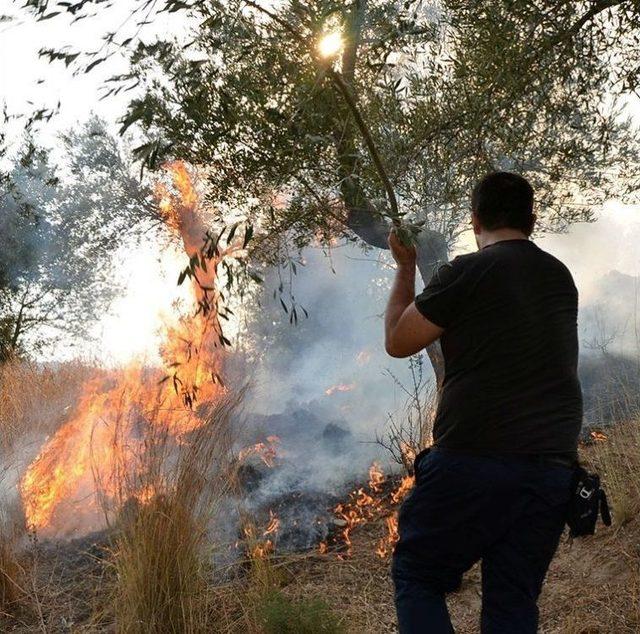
(277, 614)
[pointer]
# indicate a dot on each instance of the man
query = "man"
(495, 485)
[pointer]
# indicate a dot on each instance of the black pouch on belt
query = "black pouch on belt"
(588, 502)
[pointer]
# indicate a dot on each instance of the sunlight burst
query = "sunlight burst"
(330, 44)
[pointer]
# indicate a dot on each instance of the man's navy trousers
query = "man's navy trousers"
(508, 511)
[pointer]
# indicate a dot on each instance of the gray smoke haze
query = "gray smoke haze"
(26, 236)
(340, 346)
(327, 436)
(605, 261)
(335, 358)
(321, 386)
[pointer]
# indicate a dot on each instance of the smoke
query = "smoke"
(332, 363)
(604, 259)
(331, 371)
(323, 386)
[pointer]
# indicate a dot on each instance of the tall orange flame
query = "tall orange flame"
(60, 487)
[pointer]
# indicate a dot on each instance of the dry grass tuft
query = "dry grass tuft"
(161, 554)
(34, 398)
(161, 583)
(11, 567)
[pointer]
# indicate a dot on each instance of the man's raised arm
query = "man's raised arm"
(406, 330)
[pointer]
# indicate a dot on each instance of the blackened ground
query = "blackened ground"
(593, 586)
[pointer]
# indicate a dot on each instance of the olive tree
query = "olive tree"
(421, 99)
(60, 226)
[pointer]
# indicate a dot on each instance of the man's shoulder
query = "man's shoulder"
(505, 252)
(465, 261)
(554, 265)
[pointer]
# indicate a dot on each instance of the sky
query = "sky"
(21, 69)
(27, 81)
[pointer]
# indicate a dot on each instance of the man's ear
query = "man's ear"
(475, 223)
(532, 224)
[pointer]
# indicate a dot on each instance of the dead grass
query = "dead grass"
(158, 575)
(11, 567)
(34, 398)
(258, 600)
(593, 585)
(617, 459)
(161, 554)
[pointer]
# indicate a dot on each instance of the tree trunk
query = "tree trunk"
(362, 216)
(432, 252)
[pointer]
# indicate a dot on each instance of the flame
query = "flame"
(183, 217)
(376, 477)
(79, 463)
(257, 549)
(262, 549)
(361, 507)
(386, 543)
(340, 387)
(266, 451)
(401, 492)
(409, 453)
(273, 526)
(367, 504)
(598, 436)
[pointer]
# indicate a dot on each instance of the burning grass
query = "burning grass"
(156, 572)
(593, 584)
(162, 550)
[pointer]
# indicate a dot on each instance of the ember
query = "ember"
(341, 387)
(273, 526)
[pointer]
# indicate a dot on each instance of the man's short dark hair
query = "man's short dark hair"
(504, 200)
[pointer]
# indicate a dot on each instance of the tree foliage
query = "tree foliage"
(60, 226)
(448, 91)
(424, 99)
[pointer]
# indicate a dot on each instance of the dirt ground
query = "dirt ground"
(592, 586)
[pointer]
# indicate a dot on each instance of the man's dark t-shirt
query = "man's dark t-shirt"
(510, 347)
